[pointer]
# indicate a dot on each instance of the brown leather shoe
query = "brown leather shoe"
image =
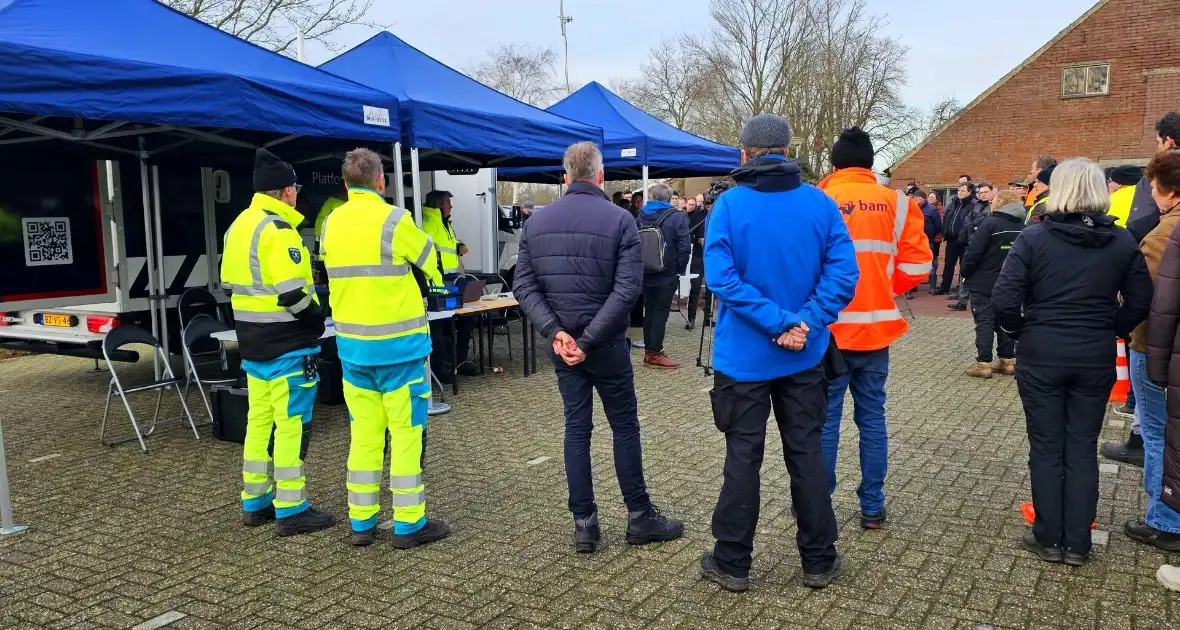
(659, 360)
(981, 370)
(1007, 367)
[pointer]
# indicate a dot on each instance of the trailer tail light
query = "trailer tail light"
(4, 319)
(100, 325)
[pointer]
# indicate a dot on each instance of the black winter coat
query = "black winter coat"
(1059, 288)
(957, 219)
(989, 246)
(932, 223)
(580, 269)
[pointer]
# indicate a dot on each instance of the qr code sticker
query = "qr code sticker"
(47, 241)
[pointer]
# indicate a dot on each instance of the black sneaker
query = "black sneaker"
(305, 522)
(432, 531)
(586, 534)
(1075, 559)
(1124, 411)
(363, 539)
(1142, 532)
(1048, 554)
(651, 526)
(710, 571)
(1130, 453)
(821, 580)
(957, 306)
(468, 369)
(258, 517)
(938, 292)
(872, 521)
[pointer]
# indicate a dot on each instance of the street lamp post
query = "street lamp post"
(564, 20)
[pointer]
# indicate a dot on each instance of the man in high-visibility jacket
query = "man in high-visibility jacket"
(436, 222)
(330, 204)
(893, 255)
(383, 341)
(1040, 190)
(279, 321)
(1039, 164)
(1122, 191)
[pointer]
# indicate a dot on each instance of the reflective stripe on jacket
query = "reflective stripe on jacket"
(368, 247)
(443, 235)
(892, 252)
(266, 270)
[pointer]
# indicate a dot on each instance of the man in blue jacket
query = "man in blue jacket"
(578, 274)
(779, 259)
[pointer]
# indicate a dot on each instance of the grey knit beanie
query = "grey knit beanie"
(766, 131)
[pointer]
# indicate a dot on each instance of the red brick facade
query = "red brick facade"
(997, 136)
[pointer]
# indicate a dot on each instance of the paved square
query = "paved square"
(120, 538)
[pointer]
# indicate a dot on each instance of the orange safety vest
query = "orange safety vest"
(892, 251)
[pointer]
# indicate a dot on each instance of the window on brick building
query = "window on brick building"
(1085, 80)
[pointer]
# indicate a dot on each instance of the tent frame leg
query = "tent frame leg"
(6, 525)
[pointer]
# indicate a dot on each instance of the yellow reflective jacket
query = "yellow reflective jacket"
(267, 272)
(1120, 204)
(368, 247)
(330, 204)
(443, 235)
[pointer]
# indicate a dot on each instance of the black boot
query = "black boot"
(430, 532)
(821, 580)
(710, 571)
(364, 538)
(651, 526)
(586, 534)
(305, 522)
(259, 517)
(1048, 554)
(1129, 453)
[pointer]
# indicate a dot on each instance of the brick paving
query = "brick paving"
(120, 538)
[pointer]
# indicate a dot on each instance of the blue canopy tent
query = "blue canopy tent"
(450, 120)
(134, 77)
(637, 145)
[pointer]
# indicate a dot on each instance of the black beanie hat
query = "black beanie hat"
(853, 149)
(1126, 175)
(271, 173)
(1045, 174)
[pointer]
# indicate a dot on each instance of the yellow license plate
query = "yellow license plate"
(62, 321)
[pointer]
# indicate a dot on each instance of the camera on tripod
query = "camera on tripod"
(715, 190)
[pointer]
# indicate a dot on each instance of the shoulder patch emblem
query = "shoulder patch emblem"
(296, 254)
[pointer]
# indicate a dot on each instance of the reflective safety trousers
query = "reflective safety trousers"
(384, 399)
(281, 401)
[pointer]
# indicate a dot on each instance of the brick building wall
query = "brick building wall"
(997, 136)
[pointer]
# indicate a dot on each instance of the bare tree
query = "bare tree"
(672, 82)
(520, 72)
(276, 24)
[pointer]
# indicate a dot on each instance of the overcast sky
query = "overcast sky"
(953, 52)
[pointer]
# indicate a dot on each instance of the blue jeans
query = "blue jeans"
(867, 372)
(1152, 420)
(606, 369)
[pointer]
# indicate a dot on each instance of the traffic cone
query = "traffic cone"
(1030, 514)
(1123, 385)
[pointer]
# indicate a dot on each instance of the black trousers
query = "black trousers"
(694, 296)
(934, 247)
(657, 303)
(986, 331)
(637, 313)
(1063, 409)
(740, 411)
(440, 341)
(954, 252)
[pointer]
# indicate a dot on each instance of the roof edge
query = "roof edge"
(998, 84)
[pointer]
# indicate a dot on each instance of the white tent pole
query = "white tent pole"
(416, 174)
(645, 200)
(399, 184)
(149, 253)
(161, 270)
(6, 524)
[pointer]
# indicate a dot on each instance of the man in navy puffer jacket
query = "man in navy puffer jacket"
(578, 274)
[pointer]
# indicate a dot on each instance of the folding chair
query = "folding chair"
(502, 318)
(907, 311)
(196, 301)
(206, 372)
(124, 335)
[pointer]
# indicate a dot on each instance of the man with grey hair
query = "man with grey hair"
(664, 240)
(526, 211)
(383, 340)
(578, 274)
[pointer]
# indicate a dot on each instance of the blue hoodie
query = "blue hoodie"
(777, 253)
(677, 247)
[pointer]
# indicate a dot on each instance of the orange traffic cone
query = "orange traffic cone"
(1123, 384)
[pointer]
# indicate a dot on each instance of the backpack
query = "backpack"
(652, 244)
